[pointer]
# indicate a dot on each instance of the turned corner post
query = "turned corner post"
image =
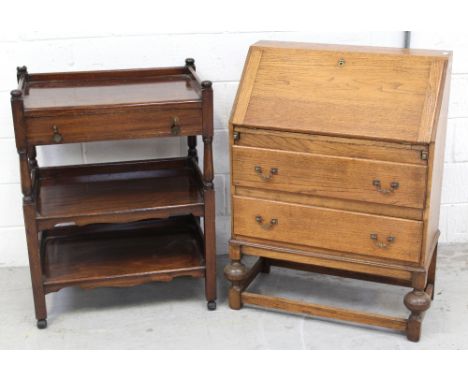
(192, 139)
(190, 62)
(208, 192)
(192, 147)
(28, 165)
(235, 272)
(417, 301)
(207, 99)
(21, 72)
(17, 109)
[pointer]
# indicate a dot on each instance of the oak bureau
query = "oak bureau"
(337, 157)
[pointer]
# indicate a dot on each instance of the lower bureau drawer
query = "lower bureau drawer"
(128, 124)
(363, 234)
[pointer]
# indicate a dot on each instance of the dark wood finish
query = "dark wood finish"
(209, 195)
(123, 254)
(192, 144)
(120, 124)
(336, 168)
(82, 222)
(69, 194)
(35, 267)
(60, 95)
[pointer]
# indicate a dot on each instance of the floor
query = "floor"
(174, 316)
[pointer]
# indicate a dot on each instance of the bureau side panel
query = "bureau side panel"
(240, 105)
(435, 171)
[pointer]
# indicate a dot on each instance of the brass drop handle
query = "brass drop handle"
(380, 244)
(175, 127)
(259, 171)
(378, 186)
(259, 219)
(56, 137)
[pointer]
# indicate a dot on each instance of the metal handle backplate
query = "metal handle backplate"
(56, 136)
(175, 127)
(380, 244)
(378, 186)
(259, 171)
(259, 219)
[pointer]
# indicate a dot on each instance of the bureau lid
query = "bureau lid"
(380, 93)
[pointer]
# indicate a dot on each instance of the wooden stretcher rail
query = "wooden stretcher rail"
(288, 305)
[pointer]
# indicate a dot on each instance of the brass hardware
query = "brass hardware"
(259, 171)
(236, 136)
(56, 137)
(175, 127)
(424, 155)
(378, 185)
(380, 244)
(341, 62)
(259, 219)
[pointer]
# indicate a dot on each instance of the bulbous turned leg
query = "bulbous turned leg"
(417, 302)
(235, 272)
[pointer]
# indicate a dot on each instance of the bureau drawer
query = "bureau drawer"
(330, 176)
(363, 234)
(128, 124)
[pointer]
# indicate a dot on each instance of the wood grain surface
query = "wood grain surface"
(131, 123)
(331, 176)
(336, 167)
(327, 145)
(380, 96)
(117, 254)
(65, 206)
(95, 190)
(328, 228)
